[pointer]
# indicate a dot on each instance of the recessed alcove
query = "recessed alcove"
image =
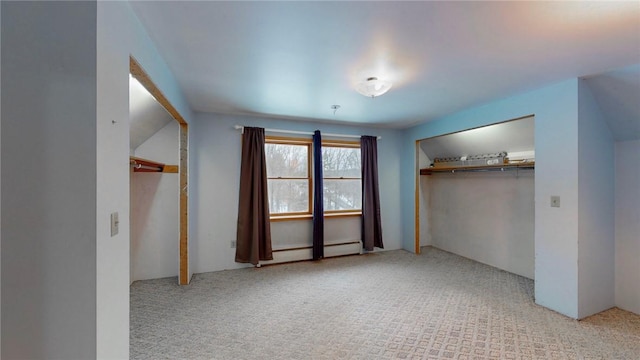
(476, 194)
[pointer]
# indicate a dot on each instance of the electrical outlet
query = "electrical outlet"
(233, 244)
(555, 201)
(115, 224)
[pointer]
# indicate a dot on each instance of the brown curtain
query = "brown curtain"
(371, 222)
(253, 240)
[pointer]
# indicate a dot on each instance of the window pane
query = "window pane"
(342, 195)
(287, 196)
(340, 162)
(284, 160)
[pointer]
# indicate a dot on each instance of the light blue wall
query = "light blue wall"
(143, 49)
(65, 279)
(119, 35)
(556, 144)
(596, 233)
(627, 224)
(0, 180)
(48, 180)
(216, 177)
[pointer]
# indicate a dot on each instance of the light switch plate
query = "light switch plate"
(555, 201)
(114, 224)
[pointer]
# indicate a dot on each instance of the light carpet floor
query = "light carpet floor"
(388, 305)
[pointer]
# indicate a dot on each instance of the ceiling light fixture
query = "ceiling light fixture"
(373, 87)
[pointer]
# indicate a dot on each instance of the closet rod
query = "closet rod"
(139, 166)
(241, 128)
(493, 169)
(503, 167)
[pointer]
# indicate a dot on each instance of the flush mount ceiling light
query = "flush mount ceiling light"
(373, 87)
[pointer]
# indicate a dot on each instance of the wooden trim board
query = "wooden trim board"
(417, 199)
(184, 205)
(138, 72)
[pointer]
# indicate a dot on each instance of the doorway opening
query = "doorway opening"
(180, 168)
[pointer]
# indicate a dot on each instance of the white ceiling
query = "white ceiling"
(296, 59)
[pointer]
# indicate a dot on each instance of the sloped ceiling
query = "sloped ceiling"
(511, 136)
(618, 96)
(290, 59)
(146, 115)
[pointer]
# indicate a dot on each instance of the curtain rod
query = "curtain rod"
(241, 128)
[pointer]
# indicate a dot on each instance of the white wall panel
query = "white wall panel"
(155, 209)
(487, 217)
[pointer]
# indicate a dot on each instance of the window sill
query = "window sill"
(309, 216)
(342, 214)
(291, 217)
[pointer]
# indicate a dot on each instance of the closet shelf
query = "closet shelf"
(500, 167)
(144, 165)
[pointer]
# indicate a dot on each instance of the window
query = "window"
(288, 176)
(341, 177)
(290, 182)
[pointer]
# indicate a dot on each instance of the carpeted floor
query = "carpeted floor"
(389, 305)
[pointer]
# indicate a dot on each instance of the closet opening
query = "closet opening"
(474, 194)
(159, 182)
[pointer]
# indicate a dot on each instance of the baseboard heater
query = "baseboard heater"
(306, 253)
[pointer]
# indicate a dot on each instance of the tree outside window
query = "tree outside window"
(290, 183)
(341, 178)
(288, 178)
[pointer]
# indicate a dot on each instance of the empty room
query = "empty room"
(320, 180)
